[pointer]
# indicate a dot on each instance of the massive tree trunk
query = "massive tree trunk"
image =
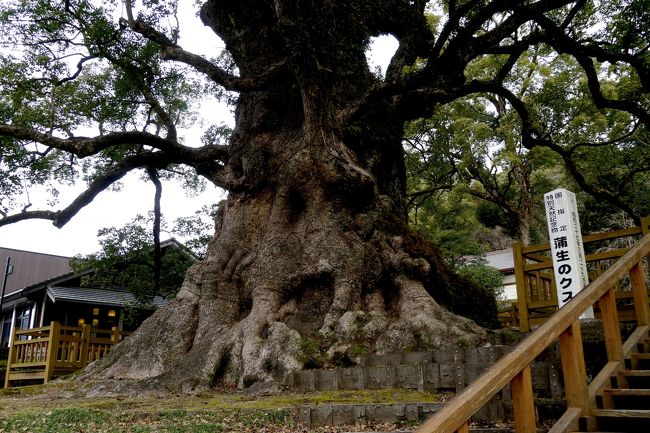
(311, 251)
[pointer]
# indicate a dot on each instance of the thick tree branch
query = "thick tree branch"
(409, 24)
(157, 160)
(172, 51)
(88, 146)
(583, 54)
(99, 184)
(534, 136)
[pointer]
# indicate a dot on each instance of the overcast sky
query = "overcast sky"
(111, 208)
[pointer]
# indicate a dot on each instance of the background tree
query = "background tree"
(312, 241)
(128, 260)
(483, 158)
(474, 147)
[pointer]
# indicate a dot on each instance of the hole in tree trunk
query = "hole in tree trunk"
(221, 367)
(297, 205)
(245, 307)
(312, 304)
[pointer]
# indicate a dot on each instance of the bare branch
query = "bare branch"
(80, 65)
(157, 257)
(157, 160)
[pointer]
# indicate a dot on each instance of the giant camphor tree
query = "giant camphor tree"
(311, 244)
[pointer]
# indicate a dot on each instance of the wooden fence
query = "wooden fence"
(536, 294)
(52, 351)
(585, 411)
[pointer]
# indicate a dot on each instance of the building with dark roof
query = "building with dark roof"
(43, 288)
(28, 268)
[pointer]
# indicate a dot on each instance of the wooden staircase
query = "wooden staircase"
(625, 406)
(616, 400)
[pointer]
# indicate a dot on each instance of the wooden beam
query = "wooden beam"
(611, 328)
(640, 294)
(573, 367)
(522, 286)
(603, 236)
(523, 404)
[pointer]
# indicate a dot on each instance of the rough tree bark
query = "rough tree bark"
(311, 244)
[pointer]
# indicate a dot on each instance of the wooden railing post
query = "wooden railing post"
(573, 367)
(645, 229)
(522, 287)
(523, 404)
(11, 359)
(640, 295)
(52, 350)
(85, 342)
(611, 328)
(115, 336)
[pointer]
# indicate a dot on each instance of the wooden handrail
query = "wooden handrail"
(455, 414)
(59, 349)
(594, 237)
(536, 298)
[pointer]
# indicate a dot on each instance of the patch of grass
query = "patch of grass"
(57, 421)
(197, 428)
(171, 414)
(140, 429)
(56, 409)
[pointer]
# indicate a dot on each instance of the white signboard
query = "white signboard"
(569, 265)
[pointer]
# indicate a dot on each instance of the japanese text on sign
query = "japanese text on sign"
(569, 267)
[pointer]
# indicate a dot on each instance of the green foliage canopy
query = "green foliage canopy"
(576, 132)
(571, 77)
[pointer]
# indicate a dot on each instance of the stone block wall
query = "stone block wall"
(450, 370)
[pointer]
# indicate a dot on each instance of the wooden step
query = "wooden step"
(622, 413)
(633, 379)
(637, 392)
(622, 420)
(635, 398)
(639, 359)
(634, 373)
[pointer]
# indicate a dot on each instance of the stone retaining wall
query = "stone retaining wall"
(350, 414)
(449, 370)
